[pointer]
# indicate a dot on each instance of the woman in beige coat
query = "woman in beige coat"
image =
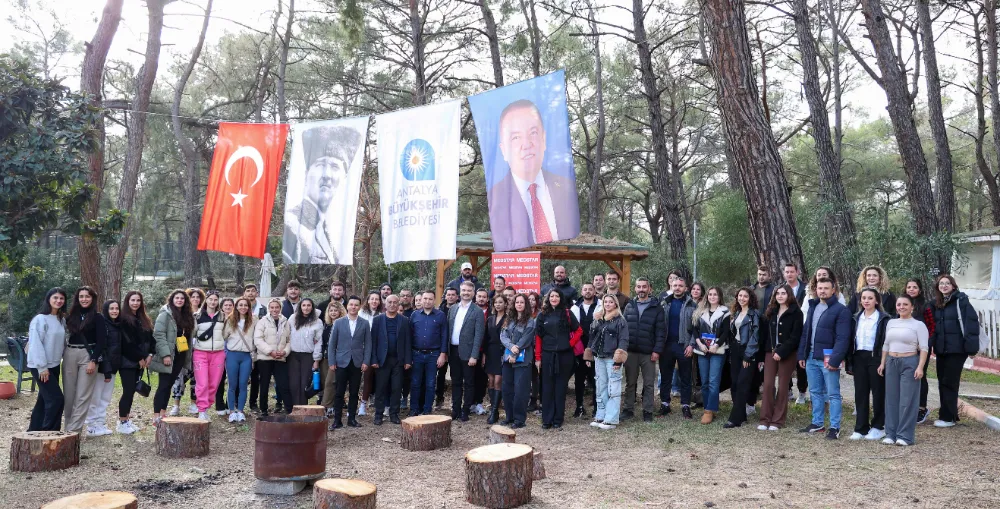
(270, 339)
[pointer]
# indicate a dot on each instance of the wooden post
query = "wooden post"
(96, 500)
(499, 475)
(315, 410)
(627, 275)
(344, 494)
(426, 433)
(442, 266)
(501, 435)
(182, 437)
(44, 451)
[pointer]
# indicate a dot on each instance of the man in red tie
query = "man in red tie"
(530, 205)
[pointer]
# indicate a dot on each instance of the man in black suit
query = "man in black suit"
(531, 205)
(391, 356)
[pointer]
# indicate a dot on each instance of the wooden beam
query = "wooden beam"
(626, 275)
(442, 267)
(476, 266)
(618, 270)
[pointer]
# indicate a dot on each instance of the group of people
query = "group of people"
(388, 352)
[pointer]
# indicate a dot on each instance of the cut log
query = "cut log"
(501, 435)
(317, 410)
(182, 437)
(343, 494)
(44, 451)
(426, 432)
(538, 467)
(96, 500)
(499, 475)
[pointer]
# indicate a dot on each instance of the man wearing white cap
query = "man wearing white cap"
(467, 275)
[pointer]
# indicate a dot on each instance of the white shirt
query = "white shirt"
(353, 323)
(460, 313)
(543, 197)
(867, 330)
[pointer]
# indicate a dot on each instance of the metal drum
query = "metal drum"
(290, 448)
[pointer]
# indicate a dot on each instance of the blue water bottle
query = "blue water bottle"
(315, 379)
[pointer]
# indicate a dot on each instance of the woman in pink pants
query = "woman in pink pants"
(209, 347)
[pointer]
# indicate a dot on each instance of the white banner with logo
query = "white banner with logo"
(418, 155)
(324, 181)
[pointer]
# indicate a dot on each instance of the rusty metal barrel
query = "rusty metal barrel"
(290, 448)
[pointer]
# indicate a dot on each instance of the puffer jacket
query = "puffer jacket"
(647, 333)
(956, 326)
(213, 341)
(239, 341)
(306, 339)
(268, 337)
(165, 336)
(607, 336)
(112, 358)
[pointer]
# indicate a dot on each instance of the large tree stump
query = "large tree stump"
(426, 432)
(343, 494)
(499, 475)
(538, 467)
(182, 437)
(96, 500)
(44, 451)
(501, 435)
(317, 410)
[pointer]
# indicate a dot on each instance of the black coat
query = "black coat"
(648, 333)
(566, 289)
(112, 359)
(784, 334)
(951, 335)
(136, 344)
(553, 329)
(380, 340)
(883, 322)
(888, 305)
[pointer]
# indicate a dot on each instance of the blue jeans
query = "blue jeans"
(424, 376)
(238, 366)
(674, 353)
(710, 369)
(609, 390)
(824, 387)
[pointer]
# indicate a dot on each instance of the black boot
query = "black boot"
(492, 418)
(499, 403)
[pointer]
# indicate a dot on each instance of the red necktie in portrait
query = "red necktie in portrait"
(542, 232)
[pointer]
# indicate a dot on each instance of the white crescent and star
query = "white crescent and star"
(239, 153)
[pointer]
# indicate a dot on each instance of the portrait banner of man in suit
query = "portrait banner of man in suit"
(324, 181)
(524, 138)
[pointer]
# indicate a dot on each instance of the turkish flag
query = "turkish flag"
(242, 185)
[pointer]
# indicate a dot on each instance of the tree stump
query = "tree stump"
(96, 500)
(182, 437)
(499, 475)
(537, 468)
(343, 494)
(426, 432)
(44, 451)
(501, 435)
(317, 410)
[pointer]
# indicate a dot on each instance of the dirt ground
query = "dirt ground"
(667, 463)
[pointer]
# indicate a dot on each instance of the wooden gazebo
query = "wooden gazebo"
(616, 254)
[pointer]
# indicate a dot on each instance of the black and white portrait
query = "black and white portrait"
(323, 185)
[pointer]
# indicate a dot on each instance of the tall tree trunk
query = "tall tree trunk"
(491, 35)
(838, 94)
(945, 188)
(136, 128)
(663, 183)
(594, 163)
(990, 9)
(192, 210)
(992, 189)
(417, 38)
(751, 141)
(283, 62)
(900, 108)
(838, 222)
(91, 79)
(534, 35)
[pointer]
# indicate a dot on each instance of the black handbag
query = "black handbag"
(142, 387)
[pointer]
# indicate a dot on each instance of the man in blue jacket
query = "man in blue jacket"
(826, 337)
(392, 356)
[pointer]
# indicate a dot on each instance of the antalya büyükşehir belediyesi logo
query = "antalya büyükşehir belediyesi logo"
(417, 160)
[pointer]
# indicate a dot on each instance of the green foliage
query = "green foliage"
(46, 132)
(725, 251)
(20, 295)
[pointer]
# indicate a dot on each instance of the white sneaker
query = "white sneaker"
(888, 441)
(233, 417)
(193, 409)
(943, 424)
(762, 427)
(362, 409)
(606, 426)
(385, 412)
(204, 416)
(751, 410)
(902, 443)
(801, 400)
(854, 412)
(773, 428)
(126, 428)
(222, 412)
(596, 424)
(90, 432)
(240, 417)
(875, 434)
(174, 411)
(480, 410)
(856, 436)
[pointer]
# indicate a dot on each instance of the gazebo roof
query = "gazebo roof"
(583, 247)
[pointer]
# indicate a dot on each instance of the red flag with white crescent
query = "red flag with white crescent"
(242, 185)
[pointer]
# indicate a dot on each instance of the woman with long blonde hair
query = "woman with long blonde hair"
(608, 351)
(334, 311)
(240, 351)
